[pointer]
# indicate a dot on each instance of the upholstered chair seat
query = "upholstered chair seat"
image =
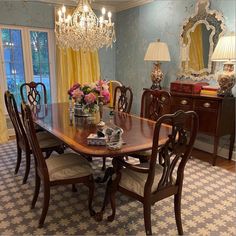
(46, 140)
(135, 181)
(67, 166)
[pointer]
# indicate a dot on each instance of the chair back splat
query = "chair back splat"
(36, 93)
(123, 99)
(155, 103)
(175, 152)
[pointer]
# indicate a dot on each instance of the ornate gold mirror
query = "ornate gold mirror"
(199, 36)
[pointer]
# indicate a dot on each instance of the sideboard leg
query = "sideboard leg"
(231, 145)
(216, 142)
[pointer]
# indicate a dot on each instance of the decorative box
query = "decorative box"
(94, 140)
(187, 86)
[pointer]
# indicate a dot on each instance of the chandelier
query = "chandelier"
(83, 30)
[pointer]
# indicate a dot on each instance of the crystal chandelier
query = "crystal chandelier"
(83, 30)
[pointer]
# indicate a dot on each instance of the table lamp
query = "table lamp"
(157, 51)
(225, 51)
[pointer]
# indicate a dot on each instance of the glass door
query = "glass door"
(13, 60)
(40, 59)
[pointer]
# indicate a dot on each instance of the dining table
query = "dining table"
(57, 119)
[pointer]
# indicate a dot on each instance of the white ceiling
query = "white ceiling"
(113, 5)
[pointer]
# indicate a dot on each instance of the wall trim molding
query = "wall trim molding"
(97, 5)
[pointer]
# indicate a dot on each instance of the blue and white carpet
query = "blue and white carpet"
(208, 204)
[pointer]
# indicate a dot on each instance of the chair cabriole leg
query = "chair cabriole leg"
(177, 206)
(36, 191)
(147, 218)
(27, 169)
(18, 161)
(46, 200)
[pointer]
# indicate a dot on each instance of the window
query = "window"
(40, 59)
(25, 56)
(13, 60)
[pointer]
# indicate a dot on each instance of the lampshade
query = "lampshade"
(225, 49)
(157, 51)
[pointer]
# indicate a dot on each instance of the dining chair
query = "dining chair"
(162, 176)
(154, 104)
(33, 93)
(69, 168)
(112, 86)
(123, 99)
(47, 142)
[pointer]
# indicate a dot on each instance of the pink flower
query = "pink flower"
(77, 94)
(90, 98)
(74, 87)
(106, 95)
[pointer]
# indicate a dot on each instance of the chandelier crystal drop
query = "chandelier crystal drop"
(83, 30)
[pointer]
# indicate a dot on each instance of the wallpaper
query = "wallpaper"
(161, 19)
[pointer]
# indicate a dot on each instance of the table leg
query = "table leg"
(109, 189)
(108, 173)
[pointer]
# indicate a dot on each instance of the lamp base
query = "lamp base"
(226, 80)
(156, 76)
(156, 86)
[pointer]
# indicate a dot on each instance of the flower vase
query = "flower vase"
(70, 104)
(78, 109)
(93, 117)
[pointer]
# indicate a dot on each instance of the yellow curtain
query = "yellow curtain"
(196, 61)
(74, 67)
(3, 123)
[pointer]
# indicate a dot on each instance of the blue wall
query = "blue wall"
(30, 14)
(139, 26)
(135, 29)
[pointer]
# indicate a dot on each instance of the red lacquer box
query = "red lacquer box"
(187, 86)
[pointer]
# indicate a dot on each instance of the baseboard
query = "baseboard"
(207, 147)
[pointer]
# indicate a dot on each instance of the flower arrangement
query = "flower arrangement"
(87, 94)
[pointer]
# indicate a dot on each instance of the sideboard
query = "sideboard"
(216, 116)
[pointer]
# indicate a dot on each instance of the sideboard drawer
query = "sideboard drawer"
(183, 103)
(206, 104)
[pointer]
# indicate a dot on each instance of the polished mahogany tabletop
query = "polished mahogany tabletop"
(137, 136)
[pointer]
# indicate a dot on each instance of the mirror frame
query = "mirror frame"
(214, 21)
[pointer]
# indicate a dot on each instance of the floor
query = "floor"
(229, 165)
(207, 206)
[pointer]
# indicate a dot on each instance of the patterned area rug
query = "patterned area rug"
(208, 205)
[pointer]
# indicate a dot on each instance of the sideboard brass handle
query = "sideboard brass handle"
(206, 104)
(183, 102)
(163, 99)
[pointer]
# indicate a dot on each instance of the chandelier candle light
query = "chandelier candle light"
(83, 30)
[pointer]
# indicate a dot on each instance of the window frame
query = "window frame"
(27, 57)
